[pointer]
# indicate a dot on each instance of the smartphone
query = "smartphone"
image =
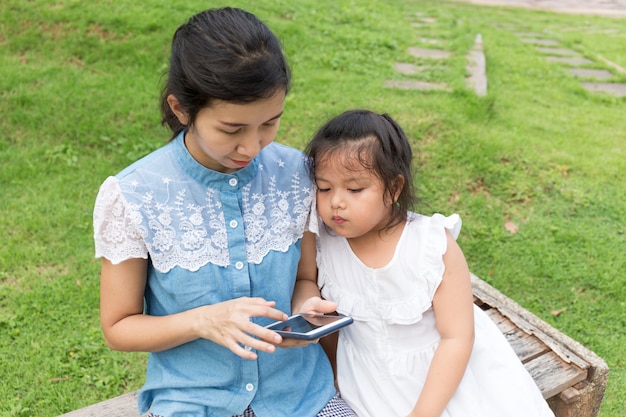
(310, 326)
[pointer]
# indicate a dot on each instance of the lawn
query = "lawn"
(535, 168)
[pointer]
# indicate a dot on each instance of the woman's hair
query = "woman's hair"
(222, 54)
(378, 144)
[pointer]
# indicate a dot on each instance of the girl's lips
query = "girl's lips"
(338, 220)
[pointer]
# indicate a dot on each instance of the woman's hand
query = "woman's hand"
(127, 328)
(229, 324)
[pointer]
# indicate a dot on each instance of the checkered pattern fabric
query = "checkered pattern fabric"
(336, 407)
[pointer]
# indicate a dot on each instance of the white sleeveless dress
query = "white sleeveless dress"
(384, 356)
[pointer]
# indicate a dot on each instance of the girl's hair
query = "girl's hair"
(223, 54)
(378, 144)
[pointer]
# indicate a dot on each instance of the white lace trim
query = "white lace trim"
(189, 235)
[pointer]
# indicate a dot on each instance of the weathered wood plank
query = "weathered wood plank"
(529, 323)
(526, 346)
(552, 375)
(122, 406)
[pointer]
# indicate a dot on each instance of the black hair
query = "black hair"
(379, 144)
(223, 54)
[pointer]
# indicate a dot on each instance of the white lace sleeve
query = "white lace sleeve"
(117, 225)
(313, 220)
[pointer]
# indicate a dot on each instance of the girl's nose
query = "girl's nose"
(336, 202)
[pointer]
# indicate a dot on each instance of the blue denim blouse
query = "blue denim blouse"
(211, 237)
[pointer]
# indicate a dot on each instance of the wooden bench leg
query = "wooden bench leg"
(583, 399)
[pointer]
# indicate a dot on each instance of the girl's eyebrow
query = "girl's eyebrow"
(244, 124)
(355, 179)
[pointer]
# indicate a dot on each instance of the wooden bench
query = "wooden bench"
(571, 377)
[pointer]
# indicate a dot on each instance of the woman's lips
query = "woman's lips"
(241, 163)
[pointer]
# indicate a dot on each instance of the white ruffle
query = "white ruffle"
(118, 233)
(407, 311)
(415, 272)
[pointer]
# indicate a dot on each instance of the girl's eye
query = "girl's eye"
(355, 190)
(323, 190)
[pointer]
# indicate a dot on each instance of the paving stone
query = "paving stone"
(557, 51)
(541, 41)
(476, 67)
(599, 74)
(406, 68)
(430, 41)
(530, 35)
(569, 60)
(429, 53)
(615, 89)
(415, 85)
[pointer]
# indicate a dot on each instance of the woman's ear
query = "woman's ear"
(177, 109)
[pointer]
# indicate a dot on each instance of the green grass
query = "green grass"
(79, 84)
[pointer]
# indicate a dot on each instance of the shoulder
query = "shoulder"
(155, 158)
(277, 156)
(435, 223)
(286, 166)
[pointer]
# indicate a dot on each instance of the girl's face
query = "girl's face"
(227, 136)
(350, 198)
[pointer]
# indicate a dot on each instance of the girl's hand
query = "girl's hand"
(317, 305)
(314, 305)
(228, 324)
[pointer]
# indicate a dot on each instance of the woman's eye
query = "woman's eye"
(232, 132)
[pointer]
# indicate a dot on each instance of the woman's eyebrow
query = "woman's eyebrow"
(244, 124)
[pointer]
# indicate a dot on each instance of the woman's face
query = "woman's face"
(227, 136)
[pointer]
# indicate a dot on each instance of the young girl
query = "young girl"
(418, 346)
(205, 241)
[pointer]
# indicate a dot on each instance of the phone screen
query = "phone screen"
(304, 324)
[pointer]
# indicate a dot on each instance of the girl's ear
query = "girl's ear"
(398, 186)
(177, 109)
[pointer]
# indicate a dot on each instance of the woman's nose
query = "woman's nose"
(251, 145)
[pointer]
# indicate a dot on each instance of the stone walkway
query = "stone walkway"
(613, 8)
(592, 79)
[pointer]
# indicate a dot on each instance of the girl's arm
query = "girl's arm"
(126, 328)
(454, 314)
(306, 294)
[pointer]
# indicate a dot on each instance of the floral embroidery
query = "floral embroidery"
(189, 233)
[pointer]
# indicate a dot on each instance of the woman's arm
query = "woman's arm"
(126, 328)
(454, 314)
